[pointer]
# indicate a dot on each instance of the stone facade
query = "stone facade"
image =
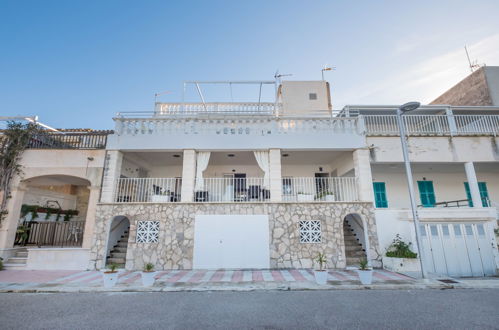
(176, 234)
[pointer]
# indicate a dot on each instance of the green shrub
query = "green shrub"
(1, 263)
(400, 249)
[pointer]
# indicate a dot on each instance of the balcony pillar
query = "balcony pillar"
(275, 175)
(473, 184)
(88, 232)
(9, 224)
(112, 172)
(188, 175)
(362, 166)
(452, 121)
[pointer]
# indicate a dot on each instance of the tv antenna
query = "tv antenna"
(278, 76)
(473, 65)
(158, 94)
(327, 68)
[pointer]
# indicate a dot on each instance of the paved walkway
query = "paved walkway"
(14, 280)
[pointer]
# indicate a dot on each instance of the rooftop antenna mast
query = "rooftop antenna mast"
(278, 76)
(327, 68)
(473, 65)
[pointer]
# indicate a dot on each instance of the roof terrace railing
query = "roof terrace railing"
(249, 108)
(90, 140)
(433, 124)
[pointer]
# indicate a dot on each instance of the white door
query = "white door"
(458, 249)
(231, 241)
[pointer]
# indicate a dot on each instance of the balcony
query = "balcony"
(429, 125)
(62, 140)
(236, 190)
(199, 109)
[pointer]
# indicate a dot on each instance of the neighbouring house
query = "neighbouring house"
(261, 185)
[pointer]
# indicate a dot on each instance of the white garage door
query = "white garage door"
(231, 241)
(458, 249)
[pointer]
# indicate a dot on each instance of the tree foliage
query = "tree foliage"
(13, 141)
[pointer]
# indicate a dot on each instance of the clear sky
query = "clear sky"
(76, 63)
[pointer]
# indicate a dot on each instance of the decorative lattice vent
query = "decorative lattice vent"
(148, 232)
(310, 231)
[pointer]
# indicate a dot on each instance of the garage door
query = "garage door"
(231, 241)
(458, 249)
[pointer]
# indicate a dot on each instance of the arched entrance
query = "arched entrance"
(355, 239)
(117, 242)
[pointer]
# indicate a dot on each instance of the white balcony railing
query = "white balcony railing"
(147, 190)
(250, 108)
(233, 126)
(329, 189)
(232, 190)
(433, 124)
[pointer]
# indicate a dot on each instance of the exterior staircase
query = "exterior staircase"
(118, 253)
(353, 249)
(18, 261)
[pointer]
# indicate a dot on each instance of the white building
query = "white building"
(265, 185)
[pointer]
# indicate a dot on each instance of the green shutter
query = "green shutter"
(426, 193)
(380, 194)
(484, 194)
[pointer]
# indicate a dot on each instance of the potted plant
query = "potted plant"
(365, 273)
(305, 197)
(110, 276)
(400, 258)
(321, 273)
(148, 275)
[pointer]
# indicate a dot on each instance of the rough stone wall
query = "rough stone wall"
(176, 235)
(472, 90)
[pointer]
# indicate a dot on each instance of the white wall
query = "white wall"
(217, 171)
(165, 171)
(305, 170)
(38, 196)
(447, 186)
(58, 259)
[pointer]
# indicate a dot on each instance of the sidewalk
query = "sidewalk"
(212, 280)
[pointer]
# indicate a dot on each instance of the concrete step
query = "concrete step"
(118, 254)
(9, 266)
(122, 244)
(353, 260)
(119, 249)
(22, 254)
(17, 260)
(116, 260)
(355, 254)
(351, 239)
(353, 247)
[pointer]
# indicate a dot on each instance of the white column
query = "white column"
(275, 175)
(112, 172)
(9, 224)
(362, 166)
(188, 175)
(88, 233)
(473, 184)
(451, 120)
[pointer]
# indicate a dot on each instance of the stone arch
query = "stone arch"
(117, 240)
(356, 239)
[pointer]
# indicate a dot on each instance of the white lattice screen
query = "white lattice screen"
(148, 232)
(310, 231)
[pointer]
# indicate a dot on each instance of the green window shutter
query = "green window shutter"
(380, 194)
(468, 194)
(426, 193)
(484, 194)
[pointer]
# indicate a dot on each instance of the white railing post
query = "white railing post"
(188, 175)
(275, 175)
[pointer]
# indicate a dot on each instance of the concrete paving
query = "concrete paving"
(359, 309)
(221, 280)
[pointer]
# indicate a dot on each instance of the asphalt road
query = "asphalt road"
(366, 309)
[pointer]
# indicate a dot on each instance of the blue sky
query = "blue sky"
(77, 63)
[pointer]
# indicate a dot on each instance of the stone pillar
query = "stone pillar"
(362, 166)
(88, 233)
(9, 224)
(473, 184)
(112, 172)
(275, 175)
(188, 175)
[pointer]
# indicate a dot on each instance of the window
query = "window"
(310, 231)
(484, 194)
(147, 232)
(312, 96)
(426, 193)
(380, 194)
